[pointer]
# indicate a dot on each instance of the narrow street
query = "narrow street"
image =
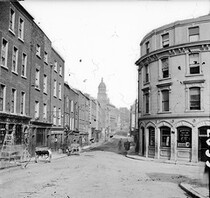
(99, 172)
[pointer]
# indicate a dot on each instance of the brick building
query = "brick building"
(174, 91)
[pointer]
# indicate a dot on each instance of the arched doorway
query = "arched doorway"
(165, 142)
(151, 146)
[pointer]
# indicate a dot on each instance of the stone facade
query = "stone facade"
(174, 91)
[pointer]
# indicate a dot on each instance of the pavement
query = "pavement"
(194, 190)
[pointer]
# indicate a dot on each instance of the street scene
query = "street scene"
(104, 99)
(99, 171)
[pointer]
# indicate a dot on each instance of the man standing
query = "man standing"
(120, 145)
(127, 147)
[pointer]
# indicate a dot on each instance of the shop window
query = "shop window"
(18, 135)
(184, 136)
(151, 136)
(165, 135)
(195, 102)
(193, 34)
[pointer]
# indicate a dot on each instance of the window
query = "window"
(36, 109)
(46, 57)
(72, 106)
(2, 97)
(146, 101)
(165, 100)
(59, 117)
(54, 115)
(45, 111)
(22, 103)
(61, 70)
(14, 59)
(59, 90)
(24, 65)
(165, 40)
(193, 34)
(194, 65)
(4, 53)
(147, 47)
(55, 88)
(38, 50)
(13, 101)
(165, 135)
(67, 102)
(151, 136)
(195, 102)
(12, 20)
(21, 29)
(55, 66)
(165, 67)
(184, 136)
(37, 78)
(146, 73)
(45, 83)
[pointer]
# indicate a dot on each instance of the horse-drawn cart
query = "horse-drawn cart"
(44, 153)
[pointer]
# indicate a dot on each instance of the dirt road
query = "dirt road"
(96, 174)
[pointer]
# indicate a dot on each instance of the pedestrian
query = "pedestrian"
(120, 145)
(127, 147)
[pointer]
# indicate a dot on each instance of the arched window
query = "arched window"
(184, 137)
(151, 136)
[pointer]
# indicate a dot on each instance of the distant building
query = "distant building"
(173, 91)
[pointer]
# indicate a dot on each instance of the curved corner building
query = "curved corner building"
(174, 91)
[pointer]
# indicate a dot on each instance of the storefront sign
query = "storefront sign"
(207, 151)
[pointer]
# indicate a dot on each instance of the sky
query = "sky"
(101, 39)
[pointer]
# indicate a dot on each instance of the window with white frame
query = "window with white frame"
(165, 67)
(4, 52)
(12, 20)
(46, 57)
(37, 78)
(54, 115)
(72, 106)
(194, 65)
(193, 34)
(24, 65)
(14, 59)
(165, 100)
(165, 136)
(44, 111)
(146, 73)
(2, 97)
(59, 91)
(36, 115)
(55, 66)
(195, 98)
(165, 40)
(38, 50)
(22, 103)
(55, 88)
(61, 70)
(21, 29)
(59, 116)
(45, 84)
(147, 45)
(13, 101)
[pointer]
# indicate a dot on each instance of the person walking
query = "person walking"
(127, 145)
(120, 145)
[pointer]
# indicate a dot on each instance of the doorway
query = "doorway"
(143, 141)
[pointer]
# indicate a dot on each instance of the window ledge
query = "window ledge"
(21, 39)
(162, 79)
(14, 72)
(12, 31)
(37, 88)
(164, 112)
(146, 83)
(192, 75)
(193, 111)
(5, 67)
(24, 77)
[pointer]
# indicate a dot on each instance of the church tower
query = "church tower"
(102, 96)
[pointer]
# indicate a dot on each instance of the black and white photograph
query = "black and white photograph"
(104, 98)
